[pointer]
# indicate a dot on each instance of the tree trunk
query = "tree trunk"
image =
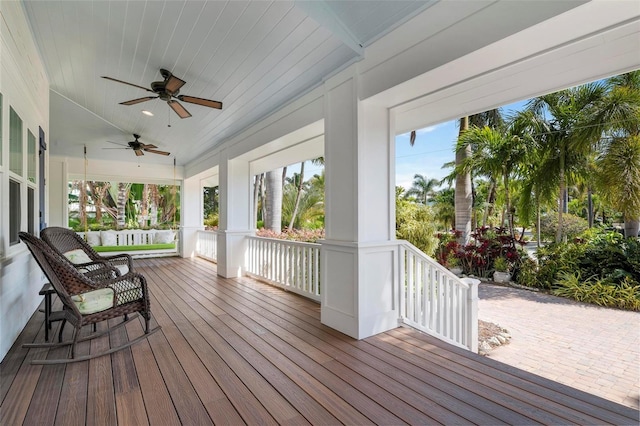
(144, 206)
(590, 207)
(123, 196)
(631, 227)
(463, 197)
(491, 199)
(298, 195)
(538, 221)
(274, 201)
(256, 193)
(561, 196)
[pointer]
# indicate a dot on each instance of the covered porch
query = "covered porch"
(234, 351)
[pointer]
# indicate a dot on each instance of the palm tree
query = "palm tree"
(422, 188)
(497, 154)
(613, 125)
(619, 176)
(554, 120)
(315, 162)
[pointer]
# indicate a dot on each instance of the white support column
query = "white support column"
(359, 256)
(235, 215)
(190, 216)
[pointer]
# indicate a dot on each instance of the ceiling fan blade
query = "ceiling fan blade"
(115, 148)
(130, 84)
(174, 84)
(158, 152)
(137, 101)
(145, 146)
(179, 109)
(200, 101)
(139, 152)
(116, 143)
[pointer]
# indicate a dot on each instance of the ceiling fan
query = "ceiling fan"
(168, 90)
(138, 147)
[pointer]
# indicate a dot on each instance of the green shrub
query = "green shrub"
(555, 259)
(527, 273)
(416, 224)
(626, 295)
(211, 221)
(572, 226)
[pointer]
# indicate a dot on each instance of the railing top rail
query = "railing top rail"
(287, 242)
(206, 231)
(423, 257)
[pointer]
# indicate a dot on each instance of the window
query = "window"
(31, 157)
(14, 211)
(1, 130)
(15, 142)
(31, 210)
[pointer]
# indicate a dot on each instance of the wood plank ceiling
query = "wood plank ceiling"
(253, 56)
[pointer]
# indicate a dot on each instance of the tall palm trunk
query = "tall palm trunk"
(298, 195)
(123, 196)
(631, 227)
(561, 196)
(463, 197)
(257, 183)
(274, 201)
(491, 199)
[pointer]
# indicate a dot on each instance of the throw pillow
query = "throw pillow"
(164, 237)
(93, 238)
(109, 238)
(77, 256)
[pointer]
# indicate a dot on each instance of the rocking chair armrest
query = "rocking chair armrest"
(119, 258)
(128, 283)
(105, 273)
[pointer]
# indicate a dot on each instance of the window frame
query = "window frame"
(28, 218)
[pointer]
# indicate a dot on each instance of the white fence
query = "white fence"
(435, 301)
(207, 245)
(292, 265)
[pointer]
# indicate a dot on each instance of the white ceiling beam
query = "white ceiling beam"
(323, 14)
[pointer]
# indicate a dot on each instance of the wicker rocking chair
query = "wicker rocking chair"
(66, 242)
(89, 300)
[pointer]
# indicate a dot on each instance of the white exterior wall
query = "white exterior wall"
(24, 86)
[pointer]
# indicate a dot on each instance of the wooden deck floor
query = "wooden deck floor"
(236, 351)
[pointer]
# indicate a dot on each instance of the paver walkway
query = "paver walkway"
(593, 349)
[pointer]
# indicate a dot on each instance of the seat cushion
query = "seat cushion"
(94, 301)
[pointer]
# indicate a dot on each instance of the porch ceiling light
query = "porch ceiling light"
(149, 113)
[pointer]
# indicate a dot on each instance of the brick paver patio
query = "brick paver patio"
(584, 346)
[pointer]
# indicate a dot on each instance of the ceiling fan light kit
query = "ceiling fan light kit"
(168, 90)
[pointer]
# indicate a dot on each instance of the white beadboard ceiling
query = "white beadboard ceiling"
(253, 56)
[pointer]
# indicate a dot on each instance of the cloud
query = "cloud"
(422, 131)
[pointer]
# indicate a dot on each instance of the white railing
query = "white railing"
(434, 300)
(207, 245)
(292, 265)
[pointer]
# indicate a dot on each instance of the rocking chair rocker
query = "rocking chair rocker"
(87, 300)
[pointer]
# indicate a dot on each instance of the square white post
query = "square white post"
(359, 256)
(235, 215)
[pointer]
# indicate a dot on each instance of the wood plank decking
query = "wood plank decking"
(236, 351)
